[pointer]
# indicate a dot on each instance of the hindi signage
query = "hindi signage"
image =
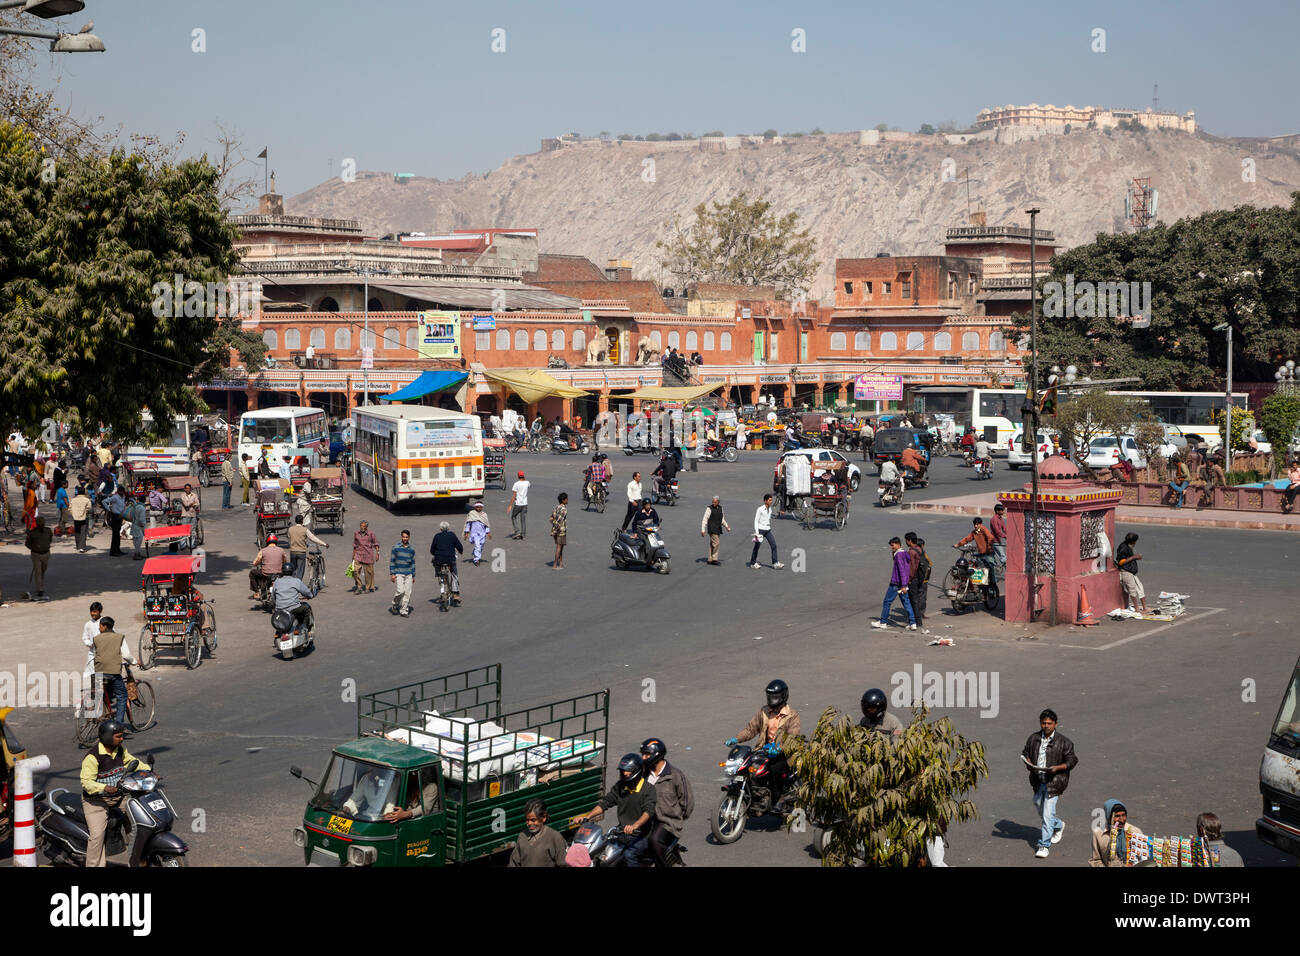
(873, 387)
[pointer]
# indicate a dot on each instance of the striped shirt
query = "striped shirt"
(402, 560)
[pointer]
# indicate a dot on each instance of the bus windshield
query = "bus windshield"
(270, 431)
(1287, 726)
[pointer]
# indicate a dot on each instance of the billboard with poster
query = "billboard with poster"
(878, 387)
(440, 335)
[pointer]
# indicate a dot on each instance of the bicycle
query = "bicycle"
(444, 587)
(314, 573)
(140, 707)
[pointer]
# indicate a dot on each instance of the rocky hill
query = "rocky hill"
(612, 200)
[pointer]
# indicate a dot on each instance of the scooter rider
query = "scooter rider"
(289, 594)
(911, 458)
(674, 800)
(876, 716)
(101, 769)
(890, 478)
(635, 797)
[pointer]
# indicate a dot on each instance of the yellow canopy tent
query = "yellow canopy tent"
(662, 394)
(533, 384)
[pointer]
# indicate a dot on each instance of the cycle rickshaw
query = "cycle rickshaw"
(829, 496)
(177, 616)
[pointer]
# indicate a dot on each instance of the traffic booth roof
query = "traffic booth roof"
(170, 564)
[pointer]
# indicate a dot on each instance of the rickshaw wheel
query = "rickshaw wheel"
(140, 713)
(205, 479)
(209, 629)
(193, 647)
(841, 516)
(148, 648)
(198, 531)
(87, 731)
(808, 516)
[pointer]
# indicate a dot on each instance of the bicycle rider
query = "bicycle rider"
(444, 548)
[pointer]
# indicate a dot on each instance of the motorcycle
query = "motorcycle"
(560, 445)
(291, 635)
(915, 479)
(719, 451)
(643, 549)
(606, 847)
(970, 582)
(983, 468)
(266, 593)
(667, 492)
(888, 494)
(967, 458)
(759, 782)
(63, 834)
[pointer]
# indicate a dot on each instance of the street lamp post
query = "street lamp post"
(81, 42)
(1031, 422)
(1286, 374)
(1227, 405)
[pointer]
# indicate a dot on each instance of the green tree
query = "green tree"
(1240, 266)
(741, 241)
(1241, 426)
(1279, 419)
(80, 256)
(926, 129)
(884, 798)
(1093, 413)
(817, 131)
(715, 132)
(882, 127)
(770, 134)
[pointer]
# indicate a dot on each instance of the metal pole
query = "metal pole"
(1227, 441)
(1033, 401)
(365, 336)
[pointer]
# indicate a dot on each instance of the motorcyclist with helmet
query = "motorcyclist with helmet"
(665, 473)
(772, 725)
(674, 798)
(267, 566)
(876, 715)
(597, 473)
(101, 770)
(290, 595)
(635, 797)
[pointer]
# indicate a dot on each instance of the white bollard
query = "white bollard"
(25, 809)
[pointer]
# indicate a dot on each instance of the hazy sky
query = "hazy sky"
(410, 86)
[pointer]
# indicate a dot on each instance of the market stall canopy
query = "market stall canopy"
(533, 384)
(428, 383)
(662, 394)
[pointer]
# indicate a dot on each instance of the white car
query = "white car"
(818, 455)
(1016, 456)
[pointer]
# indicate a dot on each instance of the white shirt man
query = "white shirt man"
(982, 450)
(519, 507)
(634, 492)
(740, 436)
(88, 635)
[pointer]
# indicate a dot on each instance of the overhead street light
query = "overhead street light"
(48, 9)
(81, 42)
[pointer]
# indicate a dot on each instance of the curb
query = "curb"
(1128, 518)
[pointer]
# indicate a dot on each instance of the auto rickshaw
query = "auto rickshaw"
(12, 751)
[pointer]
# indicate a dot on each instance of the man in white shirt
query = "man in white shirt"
(889, 477)
(633, 498)
(519, 507)
(763, 529)
(88, 635)
(740, 436)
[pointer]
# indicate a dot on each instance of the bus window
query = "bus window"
(267, 431)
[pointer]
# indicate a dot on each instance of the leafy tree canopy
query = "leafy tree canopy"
(741, 241)
(1240, 266)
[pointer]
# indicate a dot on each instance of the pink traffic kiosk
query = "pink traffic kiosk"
(1073, 538)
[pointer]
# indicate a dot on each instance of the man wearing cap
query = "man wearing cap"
(477, 530)
(519, 507)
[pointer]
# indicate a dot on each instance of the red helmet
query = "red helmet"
(272, 539)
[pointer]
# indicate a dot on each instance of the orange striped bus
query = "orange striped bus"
(413, 452)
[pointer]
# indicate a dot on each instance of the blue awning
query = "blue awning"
(429, 383)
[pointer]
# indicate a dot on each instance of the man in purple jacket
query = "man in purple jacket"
(897, 586)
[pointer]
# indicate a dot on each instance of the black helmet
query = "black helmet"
(108, 729)
(653, 751)
(595, 458)
(874, 703)
(631, 764)
(778, 694)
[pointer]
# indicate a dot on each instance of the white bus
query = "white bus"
(279, 431)
(171, 454)
(409, 452)
(1188, 412)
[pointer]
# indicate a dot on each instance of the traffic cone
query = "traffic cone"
(1085, 612)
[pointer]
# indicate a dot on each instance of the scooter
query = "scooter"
(665, 492)
(760, 782)
(983, 468)
(560, 445)
(643, 549)
(888, 494)
(914, 479)
(291, 635)
(606, 847)
(64, 835)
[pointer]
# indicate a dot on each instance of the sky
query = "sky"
(411, 86)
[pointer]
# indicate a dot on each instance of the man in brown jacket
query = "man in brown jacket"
(674, 798)
(773, 723)
(38, 543)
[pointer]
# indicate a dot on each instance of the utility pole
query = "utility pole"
(1032, 535)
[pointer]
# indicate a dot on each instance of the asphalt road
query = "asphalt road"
(1160, 720)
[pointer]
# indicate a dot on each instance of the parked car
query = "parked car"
(817, 456)
(1017, 456)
